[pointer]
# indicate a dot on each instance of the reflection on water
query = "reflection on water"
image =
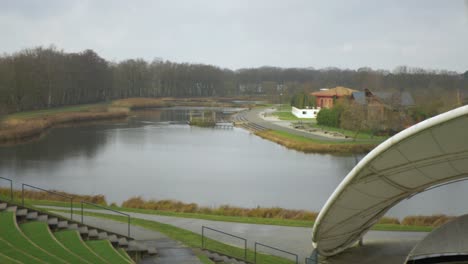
(148, 156)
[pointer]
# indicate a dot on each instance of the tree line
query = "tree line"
(42, 77)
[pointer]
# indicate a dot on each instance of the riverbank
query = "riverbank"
(20, 127)
(226, 213)
(23, 126)
(318, 140)
(309, 145)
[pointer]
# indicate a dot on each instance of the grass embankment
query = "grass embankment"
(309, 145)
(21, 126)
(263, 216)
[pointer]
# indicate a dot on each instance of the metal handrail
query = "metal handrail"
(277, 249)
(103, 207)
(11, 187)
(51, 192)
(224, 233)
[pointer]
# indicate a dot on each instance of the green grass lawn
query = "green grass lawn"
(72, 240)
(311, 140)
(39, 233)
(361, 135)
(104, 249)
(18, 242)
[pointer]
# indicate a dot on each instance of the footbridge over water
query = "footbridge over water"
(424, 156)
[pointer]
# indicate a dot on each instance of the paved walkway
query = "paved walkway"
(395, 246)
(253, 116)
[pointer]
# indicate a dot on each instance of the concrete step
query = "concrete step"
(122, 242)
(102, 235)
(93, 233)
(3, 206)
(52, 221)
(42, 218)
(62, 224)
(21, 212)
(72, 226)
(113, 239)
(83, 230)
(12, 208)
(32, 215)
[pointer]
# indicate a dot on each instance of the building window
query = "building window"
(304, 112)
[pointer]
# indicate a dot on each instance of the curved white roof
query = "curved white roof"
(450, 239)
(427, 154)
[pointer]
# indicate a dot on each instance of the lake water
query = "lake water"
(149, 156)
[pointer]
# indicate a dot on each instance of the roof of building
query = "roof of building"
(337, 91)
(403, 99)
(425, 155)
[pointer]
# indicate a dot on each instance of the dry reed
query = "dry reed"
(225, 210)
(45, 196)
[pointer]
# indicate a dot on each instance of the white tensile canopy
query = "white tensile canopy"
(427, 154)
(449, 240)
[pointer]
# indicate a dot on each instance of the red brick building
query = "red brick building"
(325, 98)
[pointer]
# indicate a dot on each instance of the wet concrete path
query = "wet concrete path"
(388, 247)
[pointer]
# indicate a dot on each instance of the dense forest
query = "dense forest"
(47, 77)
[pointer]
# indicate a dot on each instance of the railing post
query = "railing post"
(22, 194)
(203, 237)
(255, 253)
(128, 226)
(81, 212)
(71, 208)
(11, 190)
(245, 250)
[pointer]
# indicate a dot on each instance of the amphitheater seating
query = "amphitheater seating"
(29, 236)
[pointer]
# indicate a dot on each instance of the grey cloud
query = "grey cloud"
(243, 33)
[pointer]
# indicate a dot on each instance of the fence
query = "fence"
(108, 209)
(226, 234)
(276, 249)
(11, 187)
(47, 191)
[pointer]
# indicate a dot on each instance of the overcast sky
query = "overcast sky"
(248, 33)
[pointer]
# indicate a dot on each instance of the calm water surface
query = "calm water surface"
(150, 156)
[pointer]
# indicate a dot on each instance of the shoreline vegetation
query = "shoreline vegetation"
(308, 145)
(23, 126)
(226, 213)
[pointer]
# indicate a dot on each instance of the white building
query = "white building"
(305, 113)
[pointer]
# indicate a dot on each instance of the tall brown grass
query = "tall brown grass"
(432, 220)
(315, 147)
(16, 129)
(141, 103)
(45, 196)
(226, 210)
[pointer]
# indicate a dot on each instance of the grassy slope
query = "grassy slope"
(308, 145)
(191, 239)
(7, 260)
(10, 251)
(10, 232)
(124, 254)
(104, 249)
(72, 240)
(39, 233)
